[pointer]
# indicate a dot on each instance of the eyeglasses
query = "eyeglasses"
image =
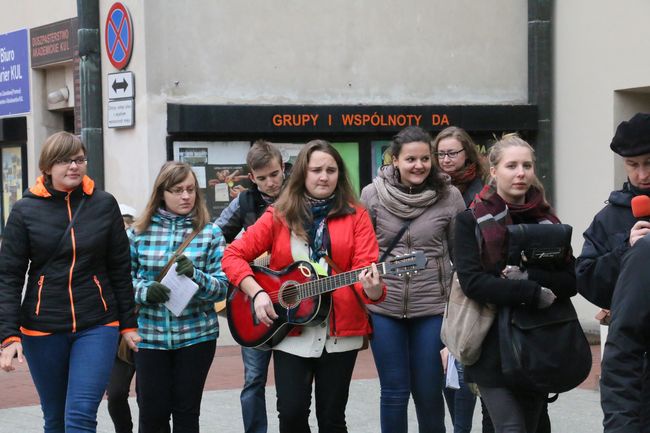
(68, 162)
(179, 191)
(452, 154)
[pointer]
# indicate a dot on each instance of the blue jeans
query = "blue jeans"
(407, 356)
(253, 401)
(461, 403)
(70, 372)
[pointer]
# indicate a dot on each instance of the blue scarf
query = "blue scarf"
(316, 230)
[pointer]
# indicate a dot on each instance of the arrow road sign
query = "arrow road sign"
(121, 85)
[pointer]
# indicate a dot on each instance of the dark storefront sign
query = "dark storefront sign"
(344, 119)
(53, 43)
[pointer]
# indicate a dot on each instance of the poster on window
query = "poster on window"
(12, 179)
(225, 183)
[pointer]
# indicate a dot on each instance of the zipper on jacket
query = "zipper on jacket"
(407, 277)
(101, 294)
(74, 259)
(40, 289)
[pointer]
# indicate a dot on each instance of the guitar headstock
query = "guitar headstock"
(406, 264)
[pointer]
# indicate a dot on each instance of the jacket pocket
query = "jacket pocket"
(41, 280)
(101, 294)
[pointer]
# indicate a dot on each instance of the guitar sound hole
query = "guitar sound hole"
(289, 294)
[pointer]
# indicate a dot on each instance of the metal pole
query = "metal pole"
(540, 85)
(90, 87)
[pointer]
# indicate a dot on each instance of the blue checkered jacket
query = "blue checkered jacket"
(150, 252)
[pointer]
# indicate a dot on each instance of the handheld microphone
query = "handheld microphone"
(641, 207)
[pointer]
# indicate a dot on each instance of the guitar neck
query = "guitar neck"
(333, 282)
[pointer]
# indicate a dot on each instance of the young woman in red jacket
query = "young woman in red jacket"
(315, 217)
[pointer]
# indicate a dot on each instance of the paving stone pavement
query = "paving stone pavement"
(577, 411)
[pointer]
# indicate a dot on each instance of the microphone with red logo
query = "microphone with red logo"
(641, 207)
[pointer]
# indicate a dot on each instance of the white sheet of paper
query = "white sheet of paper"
(451, 381)
(182, 290)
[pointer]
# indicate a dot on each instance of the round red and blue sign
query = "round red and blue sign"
(118, 35)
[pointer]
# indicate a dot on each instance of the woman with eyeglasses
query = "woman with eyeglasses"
(412, 205)
(68, 237)
(456, 154)
(177, 350)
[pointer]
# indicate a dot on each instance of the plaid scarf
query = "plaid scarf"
(493, 214)
(463, 177)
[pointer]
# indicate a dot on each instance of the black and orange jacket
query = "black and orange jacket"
(87, 283)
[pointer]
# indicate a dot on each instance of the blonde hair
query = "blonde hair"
(58, 147)
(512, 140)
(172, 173)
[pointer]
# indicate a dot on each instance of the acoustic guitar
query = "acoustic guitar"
(300, 298)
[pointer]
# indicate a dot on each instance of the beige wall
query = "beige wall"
(326, 52)
(601, 77)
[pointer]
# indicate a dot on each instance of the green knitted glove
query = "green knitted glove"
(184, 266)
(157, 293)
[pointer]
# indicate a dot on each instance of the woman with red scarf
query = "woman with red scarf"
(456, 155)
(514, 196)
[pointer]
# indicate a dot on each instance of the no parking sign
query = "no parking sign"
(118, 34)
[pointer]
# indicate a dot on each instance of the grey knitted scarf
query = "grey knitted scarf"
(399, 202)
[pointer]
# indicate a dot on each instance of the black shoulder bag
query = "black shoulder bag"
(543, 350)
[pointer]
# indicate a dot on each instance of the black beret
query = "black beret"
(632, 137)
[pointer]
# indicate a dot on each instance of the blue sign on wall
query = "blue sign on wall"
(14, 73)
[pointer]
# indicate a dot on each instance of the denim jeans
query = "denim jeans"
(70, 372)
(253, 401)
(461, 403)
(407, 356)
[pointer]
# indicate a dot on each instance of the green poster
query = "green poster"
(350, 154)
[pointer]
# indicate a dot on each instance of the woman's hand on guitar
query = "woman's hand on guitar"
(264, 308)
(371, 282)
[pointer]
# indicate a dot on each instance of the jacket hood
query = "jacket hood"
(39, 189)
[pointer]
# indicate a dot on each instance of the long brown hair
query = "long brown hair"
(172, 173)
(293, 205)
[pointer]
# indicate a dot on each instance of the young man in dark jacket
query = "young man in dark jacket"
(613, 232)
(266, 172)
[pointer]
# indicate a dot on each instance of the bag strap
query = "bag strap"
(396, 239)
(177, 253)
(67, 229)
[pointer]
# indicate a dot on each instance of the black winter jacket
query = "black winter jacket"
(622, 383)
(606, 240)
(242, 212)
(487, 286)
(87, 283)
